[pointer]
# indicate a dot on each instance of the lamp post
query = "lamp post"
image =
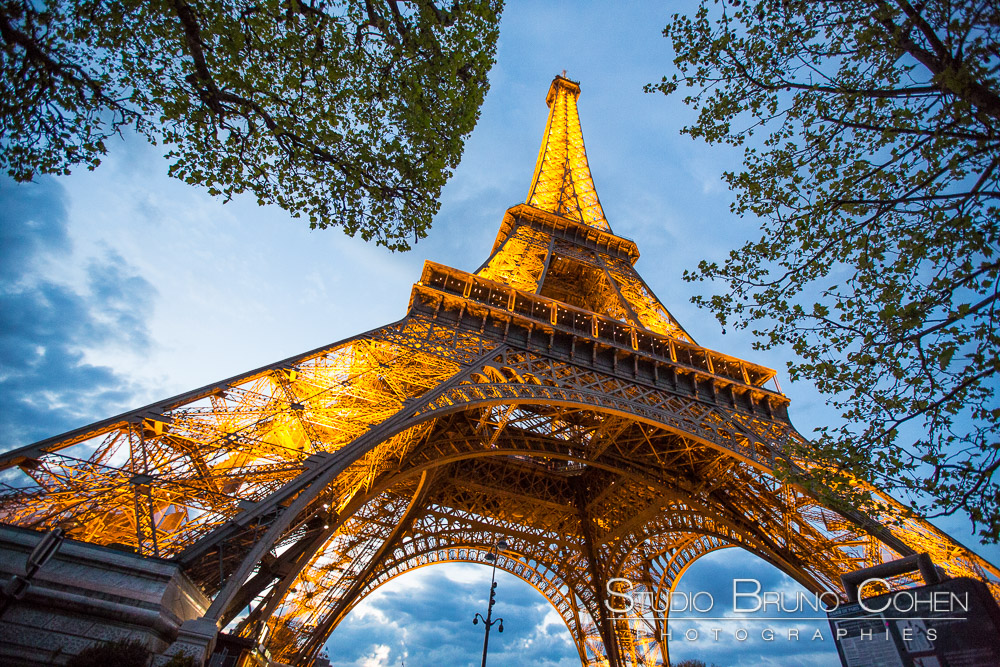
(488, 621)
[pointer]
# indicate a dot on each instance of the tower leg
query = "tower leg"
(605, 623)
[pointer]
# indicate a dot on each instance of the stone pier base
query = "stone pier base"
(87, 594)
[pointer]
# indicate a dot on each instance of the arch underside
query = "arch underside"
(300, 488)
(513, 471)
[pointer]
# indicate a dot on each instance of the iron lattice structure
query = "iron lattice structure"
(548, 398)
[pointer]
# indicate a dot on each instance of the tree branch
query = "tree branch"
(949, 75)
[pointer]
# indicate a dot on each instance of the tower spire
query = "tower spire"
(549, 399)
(562, 183)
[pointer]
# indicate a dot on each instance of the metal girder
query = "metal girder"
(335, 613)
(515, 407)
(598, 575)
(562, 182)
(549, 398)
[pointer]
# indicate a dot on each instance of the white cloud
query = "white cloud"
(465, 573)
(378, 657)
(240, 286)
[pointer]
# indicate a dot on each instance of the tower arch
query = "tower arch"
(543, 580)
(549, 397)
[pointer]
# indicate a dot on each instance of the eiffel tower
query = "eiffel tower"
(548, 399)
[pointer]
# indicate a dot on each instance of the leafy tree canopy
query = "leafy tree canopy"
(872, 146)
(350, 112)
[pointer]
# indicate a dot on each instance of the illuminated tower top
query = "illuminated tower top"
(562, 183)
(558, 244)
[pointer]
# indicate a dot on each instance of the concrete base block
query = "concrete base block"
(88, 594)
(196, 638)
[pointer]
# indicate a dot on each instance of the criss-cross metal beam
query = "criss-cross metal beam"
(549, 397)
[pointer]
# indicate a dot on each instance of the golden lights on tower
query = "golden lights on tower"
(548, 399)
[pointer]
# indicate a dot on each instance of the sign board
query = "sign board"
(954, 623)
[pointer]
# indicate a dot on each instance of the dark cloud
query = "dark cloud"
(32, 225)
(715, 574)
(429, 624)
(46, 326)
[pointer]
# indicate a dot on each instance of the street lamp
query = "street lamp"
(488, 621)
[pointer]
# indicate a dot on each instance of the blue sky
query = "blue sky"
(120, 286)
